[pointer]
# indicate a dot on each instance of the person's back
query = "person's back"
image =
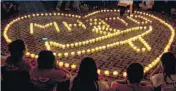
(87, 78)
(135, 74)
(15, 72)
(46, 77)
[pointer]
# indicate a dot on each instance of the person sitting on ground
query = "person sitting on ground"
(46, 76)
(166, 80)
(135, 73)
(87, 78)
(15, 72)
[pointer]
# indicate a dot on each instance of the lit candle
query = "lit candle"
(99, 71)
(27, 54)
(79, 53)
(60, 55)
(115, 73)
(88, 51)
(124, 74)
(66, 65)
(106, 73)
(61, 64)
(66, 54)
(32, 55)
(73, 53)
(73, 66)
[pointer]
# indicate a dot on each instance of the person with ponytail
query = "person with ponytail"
(87, 78)
(164, 76)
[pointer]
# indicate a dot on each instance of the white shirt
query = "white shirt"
(158, 80)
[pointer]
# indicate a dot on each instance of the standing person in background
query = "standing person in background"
(124, 5)
(46, 77)
(166, 80)
(146, 4)
(15, 73)
(87, 78)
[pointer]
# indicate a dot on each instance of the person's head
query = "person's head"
(17, 48)
(46, 60)
(135, 73)
(88, 70)
(169, 63)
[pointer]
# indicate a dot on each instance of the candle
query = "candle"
(83, 51)
(32, 55)
(66, 54)
(73, 53)
(106, 73)
(73, 66)
(27, 54)
(66, 65)
(115, 73)
(60, 55)
(61, 64)
(124, 74)
(88, 51)
(79, 53)
(99, 71)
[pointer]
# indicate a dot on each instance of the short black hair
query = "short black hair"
(46, 59)
(17, 48)
(135, 72)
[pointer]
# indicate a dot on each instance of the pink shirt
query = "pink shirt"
(129, 87)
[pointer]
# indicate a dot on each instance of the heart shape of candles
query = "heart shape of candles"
(71, 35)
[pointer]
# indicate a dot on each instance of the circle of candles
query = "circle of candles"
(115, 73)
(106, 73)
(61, 64)
(73, 66)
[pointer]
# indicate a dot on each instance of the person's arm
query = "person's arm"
(157, 70)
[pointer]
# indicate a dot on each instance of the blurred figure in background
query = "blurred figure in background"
(124, 5)
(87, 78)
(146, 4)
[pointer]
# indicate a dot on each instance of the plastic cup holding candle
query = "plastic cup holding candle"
(99, 71)
(124, 74)
(115, 73)
(27, 54)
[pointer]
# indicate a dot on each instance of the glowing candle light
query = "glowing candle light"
(66, 54)
(115, 73)
(32, 55)
(73, 53)
(73, 66)
(79, 53)
(106, 73)
(124, 74)
(60, 55)
(61, 64)
(27, 54)
(99, 71)
(66, 65)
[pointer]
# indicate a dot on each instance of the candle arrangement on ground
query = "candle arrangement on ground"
(114, 42)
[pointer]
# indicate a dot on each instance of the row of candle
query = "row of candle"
(94, 40)
(96, 49)
(67, 26)
(145, 43)
(117, 18)
(142, 17)
(55, 14)
(134, 20)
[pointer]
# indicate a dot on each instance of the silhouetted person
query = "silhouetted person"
(15, 73)
(87, 78)
(46, 77)
(166, 80)
(135, 73)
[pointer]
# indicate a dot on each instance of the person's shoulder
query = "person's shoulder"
(59, 75)
(115, 86)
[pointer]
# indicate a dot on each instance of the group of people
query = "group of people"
(17, 75)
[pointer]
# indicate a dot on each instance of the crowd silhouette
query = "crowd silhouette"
(17, 75)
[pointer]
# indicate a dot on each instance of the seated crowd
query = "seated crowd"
(17, 75)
